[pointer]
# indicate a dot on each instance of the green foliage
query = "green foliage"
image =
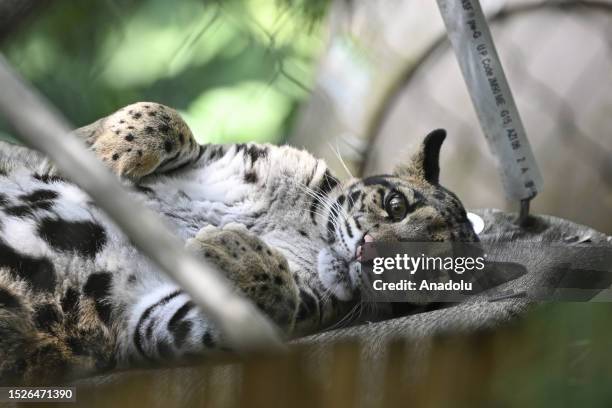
(237, 70)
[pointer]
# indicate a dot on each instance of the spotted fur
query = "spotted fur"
(76, 297)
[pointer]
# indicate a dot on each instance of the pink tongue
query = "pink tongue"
(367, 238)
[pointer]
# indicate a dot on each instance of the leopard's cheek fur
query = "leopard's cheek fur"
(335, 274)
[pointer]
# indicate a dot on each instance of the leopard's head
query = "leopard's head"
(407, 205)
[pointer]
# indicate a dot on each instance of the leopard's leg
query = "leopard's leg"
(257, 270)
(166, 324)
(142, 139)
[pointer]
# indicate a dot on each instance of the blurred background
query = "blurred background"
(236, 70)
(356, 79)
(364, 81)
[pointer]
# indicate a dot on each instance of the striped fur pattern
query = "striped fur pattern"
(76, 297)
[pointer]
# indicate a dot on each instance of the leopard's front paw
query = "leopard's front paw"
(141, 139)
(257, 270)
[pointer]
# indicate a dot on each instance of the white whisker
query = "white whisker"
(340, 159)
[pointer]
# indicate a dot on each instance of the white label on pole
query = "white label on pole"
(499, 118)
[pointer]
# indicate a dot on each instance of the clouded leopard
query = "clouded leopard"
(77, 298)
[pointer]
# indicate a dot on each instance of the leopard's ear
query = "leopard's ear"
(425, 164)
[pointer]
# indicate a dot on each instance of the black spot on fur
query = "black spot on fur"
(76, 345)
(46, 178)
(98, 288)
(255, 152)
(177, 326)
(261, 277)
(353, 198)
(3, 199)
(129, 137)
(278, 281)
(42, 205)
(207, 340)
(115, 156)
(149, 331)
(250, 177)
(19, 211)
(137, 115)
(328, 183)
(38, 272)
(168, 146)
(349, 230)
(8, 300)
(180, 333)
(381, 180)
(39, 195)
(149, 130)
(303, 233)
(69, 300)
(152, 113)
(46, 315)
(164, 128)
(215, 153)
(28, 209)
(181, 138)
(82, 237)
(145, 189)
(439, 195)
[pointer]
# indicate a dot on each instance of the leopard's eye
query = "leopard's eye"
(396, 206)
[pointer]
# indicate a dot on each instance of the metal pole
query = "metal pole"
(499, 118)
(43, 128)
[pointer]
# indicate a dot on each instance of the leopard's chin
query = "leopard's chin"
(340, 276)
